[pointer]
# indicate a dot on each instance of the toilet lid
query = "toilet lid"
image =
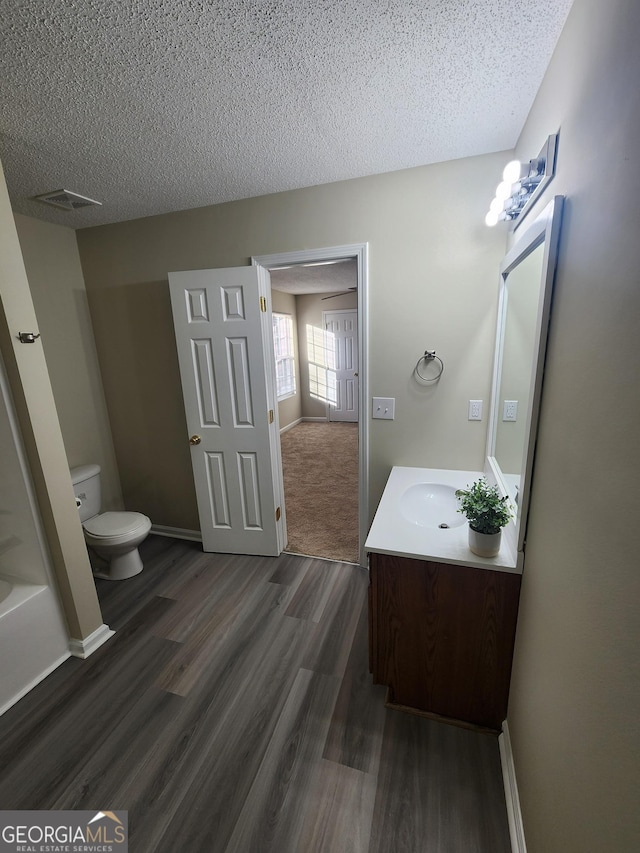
(115, 523)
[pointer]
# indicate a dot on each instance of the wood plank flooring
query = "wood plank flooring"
(233, 712)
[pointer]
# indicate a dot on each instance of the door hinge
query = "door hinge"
(278, 514)
(263, 304)
(271, 416)
(28, 337)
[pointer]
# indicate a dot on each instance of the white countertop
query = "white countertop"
(392, 533)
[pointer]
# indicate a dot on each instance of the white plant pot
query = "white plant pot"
(484, 544)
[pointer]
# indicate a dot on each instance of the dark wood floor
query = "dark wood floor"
(234, 711)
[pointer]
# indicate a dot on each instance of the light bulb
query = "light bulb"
(497, 206)
(491, 219)
(503, 190)
(512, 171)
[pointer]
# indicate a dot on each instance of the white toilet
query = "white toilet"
(114, 536)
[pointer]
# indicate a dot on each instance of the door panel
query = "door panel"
(221, 353)
(342, 329)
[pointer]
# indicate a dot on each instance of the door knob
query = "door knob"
(355, 374)
(195, 439)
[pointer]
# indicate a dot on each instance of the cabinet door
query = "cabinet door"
(443, 637)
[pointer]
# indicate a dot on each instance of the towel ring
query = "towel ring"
(429, 355)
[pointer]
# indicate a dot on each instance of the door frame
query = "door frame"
(360, 253)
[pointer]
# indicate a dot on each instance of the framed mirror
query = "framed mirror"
(526, 285)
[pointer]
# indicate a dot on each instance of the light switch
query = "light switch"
(384, 407)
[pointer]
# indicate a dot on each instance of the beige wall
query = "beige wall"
(575, 694)
(433, 283)
(35, 407)
(57, 288)
(289, 410)
(310, 307)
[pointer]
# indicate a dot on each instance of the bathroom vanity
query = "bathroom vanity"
(441, 620)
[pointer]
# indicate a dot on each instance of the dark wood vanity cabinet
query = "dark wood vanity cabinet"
(441, 637)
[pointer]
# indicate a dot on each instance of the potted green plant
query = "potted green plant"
(487, 513)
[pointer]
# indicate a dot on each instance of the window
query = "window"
(321, 352)
(285, 361)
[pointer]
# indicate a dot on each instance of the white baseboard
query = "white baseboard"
(303, 420)
(84, 648)
(516, 829)
(291, 425)
(177, 532)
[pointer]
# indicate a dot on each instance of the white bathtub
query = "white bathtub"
(33, 637)
(14, 593)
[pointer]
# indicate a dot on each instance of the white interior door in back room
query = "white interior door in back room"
(342, 327)
(226, 364)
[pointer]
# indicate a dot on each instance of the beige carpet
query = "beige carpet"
(320, 466)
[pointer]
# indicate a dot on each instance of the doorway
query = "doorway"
(318, 406)
(340, 283)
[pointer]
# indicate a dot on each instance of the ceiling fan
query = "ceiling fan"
(342, 293)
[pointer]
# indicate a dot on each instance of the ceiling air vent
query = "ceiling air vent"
(67, 200)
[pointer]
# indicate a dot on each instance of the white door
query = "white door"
(224, 359)
(341, 328)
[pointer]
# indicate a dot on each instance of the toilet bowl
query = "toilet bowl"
(113, 536)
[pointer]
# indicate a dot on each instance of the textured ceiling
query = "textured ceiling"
(157, 105)
(322, 278)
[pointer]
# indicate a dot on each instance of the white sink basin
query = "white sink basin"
(431, 505)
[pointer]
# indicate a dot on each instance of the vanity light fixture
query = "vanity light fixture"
(521, 183)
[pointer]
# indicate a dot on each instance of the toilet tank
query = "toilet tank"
(86, 485)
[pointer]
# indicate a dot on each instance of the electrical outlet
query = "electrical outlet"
(475, 410)
(384, 407)
(510, 410)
